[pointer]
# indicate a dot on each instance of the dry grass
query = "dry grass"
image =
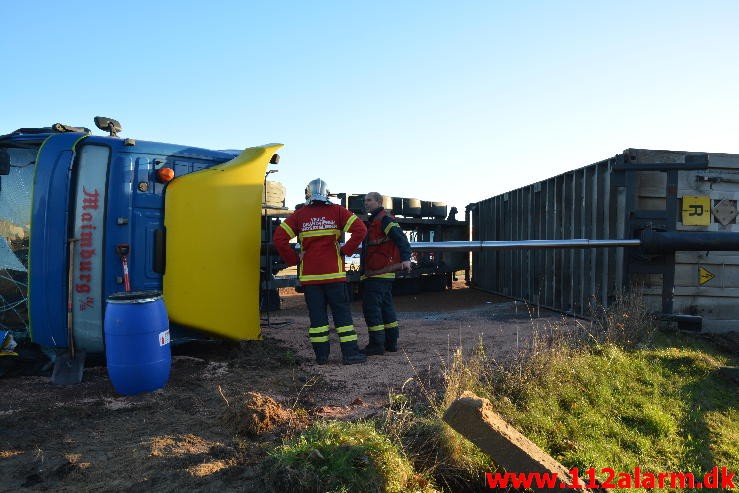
(626, 322)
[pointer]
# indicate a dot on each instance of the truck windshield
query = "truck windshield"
(15, 227)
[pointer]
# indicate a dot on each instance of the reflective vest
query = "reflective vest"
(381, 252)
(319, 227)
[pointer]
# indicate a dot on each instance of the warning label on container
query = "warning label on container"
(705, 275)
(696, 211)
(164, 338)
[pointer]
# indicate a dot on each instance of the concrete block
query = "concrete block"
(474, 418)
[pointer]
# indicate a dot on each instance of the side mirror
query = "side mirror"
(108, 125)
(4, 161)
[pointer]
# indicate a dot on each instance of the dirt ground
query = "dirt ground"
(185, 437)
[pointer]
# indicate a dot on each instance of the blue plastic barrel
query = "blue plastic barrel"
(137, 342)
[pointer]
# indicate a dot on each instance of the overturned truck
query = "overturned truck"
(84, 216)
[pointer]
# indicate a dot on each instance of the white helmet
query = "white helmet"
(316, 191)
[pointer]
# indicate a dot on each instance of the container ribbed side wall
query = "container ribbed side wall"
(577, 204)
(614, 199)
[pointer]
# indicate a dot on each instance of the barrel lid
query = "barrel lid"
(134, 297)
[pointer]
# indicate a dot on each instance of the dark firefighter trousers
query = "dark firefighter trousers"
(319, 297)
(379, 312)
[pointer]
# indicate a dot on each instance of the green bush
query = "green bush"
(336, 456)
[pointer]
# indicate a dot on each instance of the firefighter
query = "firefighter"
(318, 226)
(385, 250)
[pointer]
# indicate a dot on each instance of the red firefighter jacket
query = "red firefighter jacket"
(318, 227)
(385, 246)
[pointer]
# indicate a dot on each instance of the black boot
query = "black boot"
(391, 339)
(350, 353)
(376, 344)
(322, 350)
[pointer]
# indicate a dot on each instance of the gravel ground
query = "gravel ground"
(433, 325)
(87, 438)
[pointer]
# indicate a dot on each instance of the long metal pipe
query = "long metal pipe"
(650, 242)
(468, 246)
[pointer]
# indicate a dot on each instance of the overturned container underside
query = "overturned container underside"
(618, 198)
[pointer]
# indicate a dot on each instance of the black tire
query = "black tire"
(411, 207)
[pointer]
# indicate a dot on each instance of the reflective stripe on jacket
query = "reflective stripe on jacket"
(318, 227)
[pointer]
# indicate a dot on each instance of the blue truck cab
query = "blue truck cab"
(73, 205)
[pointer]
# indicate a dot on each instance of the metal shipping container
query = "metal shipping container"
(617, 198)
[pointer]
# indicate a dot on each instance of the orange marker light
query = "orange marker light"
(165, 175)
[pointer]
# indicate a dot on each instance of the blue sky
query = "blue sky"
(445, 101)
